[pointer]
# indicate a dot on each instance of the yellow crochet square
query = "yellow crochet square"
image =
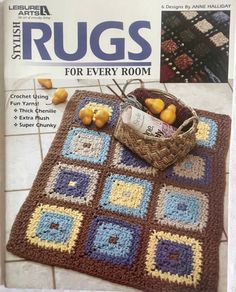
(126, 194)
(162, 238)
(203, 131)
(65, 243)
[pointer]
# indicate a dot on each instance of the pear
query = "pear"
(46, 83)
(168, 115)
(59, 96)
(155, 105)
(101, 118)
(86, 116)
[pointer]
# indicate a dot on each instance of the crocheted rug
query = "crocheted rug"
(97, 208)
(195, 46)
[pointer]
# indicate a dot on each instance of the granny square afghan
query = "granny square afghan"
(97, 208)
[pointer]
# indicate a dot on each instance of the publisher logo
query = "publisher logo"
(30, 10)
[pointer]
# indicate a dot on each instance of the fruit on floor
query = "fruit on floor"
(168, 115)
(59, 96)
(46, 83)
(155, 105)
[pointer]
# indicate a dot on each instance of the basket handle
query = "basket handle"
(185, 123)
(194, 118)
(131, 81)
(169, 95)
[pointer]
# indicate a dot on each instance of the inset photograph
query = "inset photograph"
(195, 46)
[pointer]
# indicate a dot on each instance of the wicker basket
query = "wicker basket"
(162, 152)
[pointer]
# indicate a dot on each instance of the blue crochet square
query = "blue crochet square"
(207, 132)
(126, 195)
(71, 183)
(182, 208)
(86, 145)
(113, 240)
(174, 258)
(54, 227)
(193, 169)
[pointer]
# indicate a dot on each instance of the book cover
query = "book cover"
(87, 203)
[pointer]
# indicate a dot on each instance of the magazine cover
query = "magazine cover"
(117, 136)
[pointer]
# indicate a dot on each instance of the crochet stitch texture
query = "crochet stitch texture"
(97, 208)
(195, 46)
